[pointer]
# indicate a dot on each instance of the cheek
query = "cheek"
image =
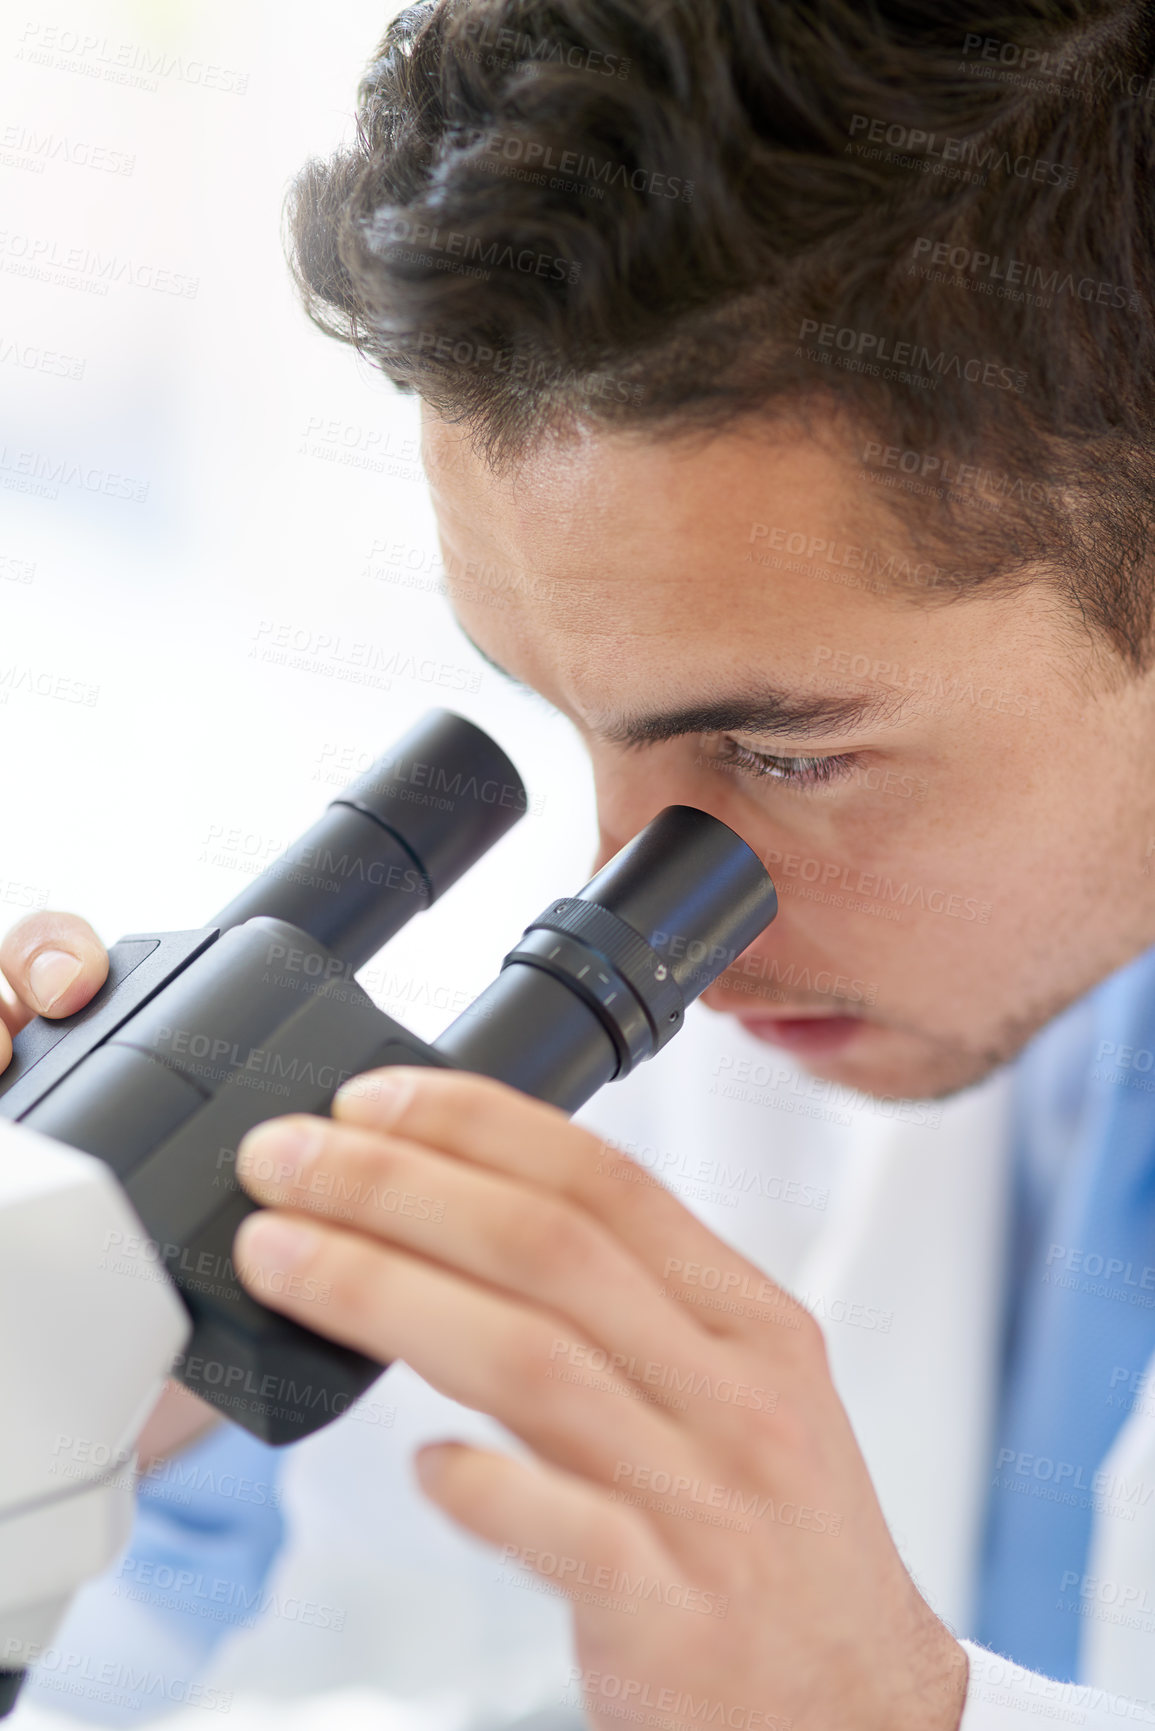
(870, 905)
(842, 946)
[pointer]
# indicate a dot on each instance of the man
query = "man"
(785, 376)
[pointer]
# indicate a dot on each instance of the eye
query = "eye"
(794, 771)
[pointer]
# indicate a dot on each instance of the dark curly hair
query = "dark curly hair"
(933, 217)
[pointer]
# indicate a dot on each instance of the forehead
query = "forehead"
(663, 535)
(604, 565)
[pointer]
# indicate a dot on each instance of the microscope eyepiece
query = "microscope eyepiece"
(392, 842)
(601, 980)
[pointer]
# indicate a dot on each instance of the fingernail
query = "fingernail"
(278, 1151)
(270, 1244)
(379, 1097)
(50, 976)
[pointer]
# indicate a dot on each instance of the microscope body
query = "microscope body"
(83, 1356)
(196, 1036)
(123, 1250)
(234, 1027)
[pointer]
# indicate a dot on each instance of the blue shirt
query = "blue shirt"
(1081, 1316)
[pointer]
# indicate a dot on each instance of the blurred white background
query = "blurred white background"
(191, 474)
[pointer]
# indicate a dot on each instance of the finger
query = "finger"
(605, 1557)
(534, 1245)
(476, 1119)
(478, 1347)
(53, 963)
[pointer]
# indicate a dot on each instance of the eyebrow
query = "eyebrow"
(777, 714)
(774, 714)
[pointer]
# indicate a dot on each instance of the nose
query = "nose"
(632, 788)
(609, 843)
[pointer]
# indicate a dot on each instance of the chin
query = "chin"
(855, 1052)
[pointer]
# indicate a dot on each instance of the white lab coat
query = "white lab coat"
(889, 1220)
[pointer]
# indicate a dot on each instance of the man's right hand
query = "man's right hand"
(50, 965)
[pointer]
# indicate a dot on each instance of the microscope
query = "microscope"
(119, 1125)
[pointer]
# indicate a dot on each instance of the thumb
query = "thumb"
(52, 964)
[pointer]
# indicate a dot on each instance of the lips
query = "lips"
(808, 1036)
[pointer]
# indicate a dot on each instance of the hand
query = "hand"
(696, 1488)
(51, 965)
